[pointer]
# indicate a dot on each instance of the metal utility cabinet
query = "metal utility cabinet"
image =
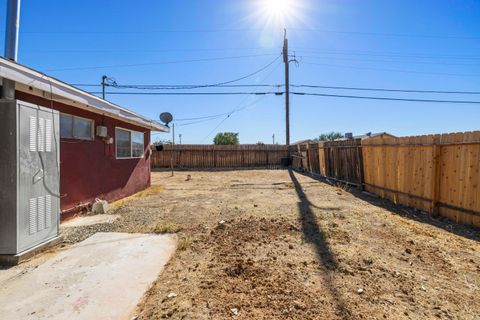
(29, 176)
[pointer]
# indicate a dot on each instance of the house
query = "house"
(103, 149)
(370, 135)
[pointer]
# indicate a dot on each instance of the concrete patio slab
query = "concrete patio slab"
(90, 220)
(103, 277)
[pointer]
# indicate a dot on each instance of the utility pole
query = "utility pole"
(173, 147)
(273, 138)
(286, 61)
(104, 85)
(180, 138)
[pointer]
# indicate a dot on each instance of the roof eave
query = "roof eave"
(30, 77)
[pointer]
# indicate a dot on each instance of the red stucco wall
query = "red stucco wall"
(89, 169)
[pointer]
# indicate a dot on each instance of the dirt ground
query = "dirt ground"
(280, 245)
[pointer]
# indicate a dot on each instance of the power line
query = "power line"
(215, 117)
(188, 86)
(154, 50)
(386, 98)
(279, 93)
(200, 118)
(227, 114)
(385, 89)
(237, 109)
(90, 32)
(296, 93)
(230, 114)
(193, 122)
(191, 86)
(178, 86)
(389, 61)
(193, 93)
(160, 63)
(184, 87)
(391, 70)
(219, 84)
(386, 54)
(387, 34)
(196, 122)
(219, 30)
(196, 86)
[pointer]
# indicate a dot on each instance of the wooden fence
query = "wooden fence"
(439, 174)
(339, 160)
(211, 156)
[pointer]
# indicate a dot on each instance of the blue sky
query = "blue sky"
(427, 45)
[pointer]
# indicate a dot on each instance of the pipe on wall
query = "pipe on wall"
(11, 44)
(12, 29)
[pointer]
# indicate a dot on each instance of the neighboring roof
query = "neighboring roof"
(374, 135)
(30, 77)
(302, 142)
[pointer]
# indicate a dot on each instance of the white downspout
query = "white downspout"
(11, 44)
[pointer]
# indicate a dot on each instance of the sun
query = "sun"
(277, 8)
(278, 12)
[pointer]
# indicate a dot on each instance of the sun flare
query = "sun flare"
(277, 8)
(278, 12)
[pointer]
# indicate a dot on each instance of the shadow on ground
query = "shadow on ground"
(5, 267)
(314, 234)
(443, 223)
(440, 222)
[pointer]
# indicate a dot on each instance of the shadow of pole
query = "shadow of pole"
(463, 230)
(314, 234)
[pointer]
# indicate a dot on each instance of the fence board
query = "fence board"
(341, 160)
(434, 173)
(439, 174)
(210, 156)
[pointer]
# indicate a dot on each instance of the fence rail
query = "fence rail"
(439, 174)
(212, 156)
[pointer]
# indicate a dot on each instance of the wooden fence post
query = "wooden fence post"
(300, 159)
(326, 152)
(436, 175)
(214, 157)
(307, 155)
(360, 166)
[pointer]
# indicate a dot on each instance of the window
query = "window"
(137, 144)
(129, 143)
(75, 127)
(66, 126)
(123, 143)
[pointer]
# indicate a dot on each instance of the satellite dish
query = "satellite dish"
(166, 117)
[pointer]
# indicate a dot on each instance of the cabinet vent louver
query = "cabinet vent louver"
(33, 134)
(40, 211)
(40, 134)
(33, 215)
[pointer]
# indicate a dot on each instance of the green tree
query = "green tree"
(226, 138)
(159, 142)
(331, 136)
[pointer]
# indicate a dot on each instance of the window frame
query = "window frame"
(131, 144)
(92, 130)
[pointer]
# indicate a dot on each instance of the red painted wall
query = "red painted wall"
(89, 169)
